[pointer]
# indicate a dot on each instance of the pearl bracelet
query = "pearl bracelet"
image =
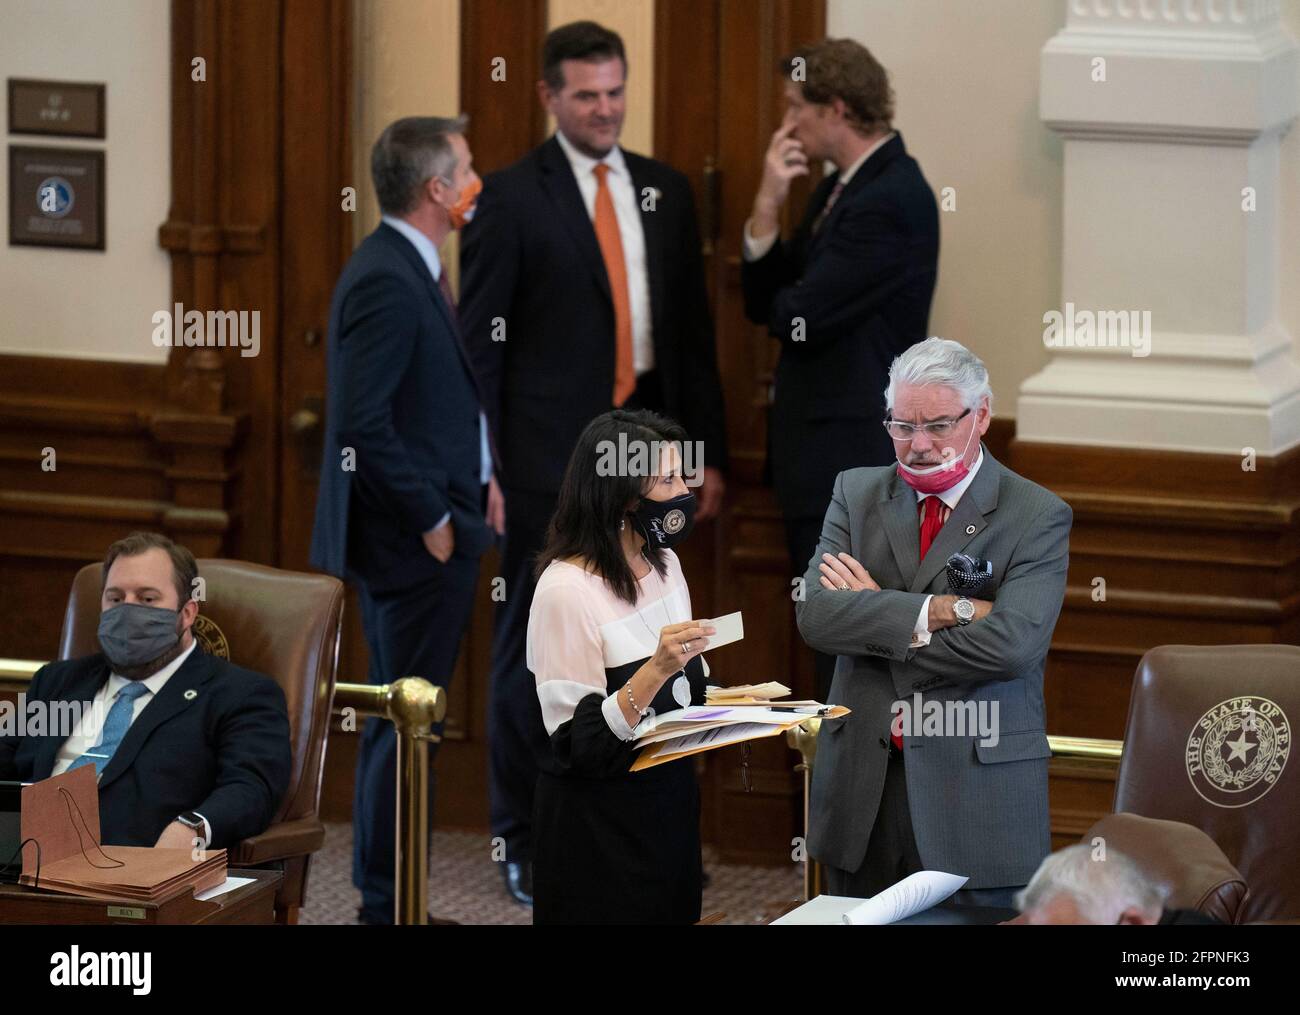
(632, 701)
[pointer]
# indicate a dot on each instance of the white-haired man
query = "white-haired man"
(1078, 884)
(955, 777)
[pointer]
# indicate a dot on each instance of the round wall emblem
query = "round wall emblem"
(673, 521)
(211, 638)
(1237, 750)
(55, 197)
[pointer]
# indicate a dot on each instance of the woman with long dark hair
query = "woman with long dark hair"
(610, 638)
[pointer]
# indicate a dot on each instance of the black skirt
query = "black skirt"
(618, 851)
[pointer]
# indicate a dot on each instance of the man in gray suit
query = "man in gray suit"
(942, 764)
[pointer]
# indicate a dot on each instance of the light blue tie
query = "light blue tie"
(115, 727)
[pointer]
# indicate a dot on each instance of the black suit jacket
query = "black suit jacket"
(862, 285)
(402, 396)
(223, 752)
(530, 260)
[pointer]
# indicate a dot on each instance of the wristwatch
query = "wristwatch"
(191, 820)
(965, 611)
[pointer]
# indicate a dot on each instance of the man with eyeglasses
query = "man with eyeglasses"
(942, 764)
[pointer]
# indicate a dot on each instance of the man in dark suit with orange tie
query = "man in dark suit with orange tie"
(408, 471)
(583, 290)
(848, 292)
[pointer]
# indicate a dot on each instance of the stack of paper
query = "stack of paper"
(60, 825)
(686, 731)
(746, 693)
(914, 894)
(145, 875)
(732, 715)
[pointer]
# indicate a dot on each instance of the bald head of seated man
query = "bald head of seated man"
(187, 748)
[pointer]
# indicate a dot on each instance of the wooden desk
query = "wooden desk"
(247, 904)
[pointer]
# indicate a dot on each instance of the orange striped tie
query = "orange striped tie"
(611, 249)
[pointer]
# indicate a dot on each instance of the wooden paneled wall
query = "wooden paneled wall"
(194, 447)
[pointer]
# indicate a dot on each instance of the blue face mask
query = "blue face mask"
(132, 635)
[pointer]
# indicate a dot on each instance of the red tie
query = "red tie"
(931, 523)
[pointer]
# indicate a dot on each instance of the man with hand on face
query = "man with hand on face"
(408, 491)
(848, 292)
(890, 798)
(189, 749)
(583, 292)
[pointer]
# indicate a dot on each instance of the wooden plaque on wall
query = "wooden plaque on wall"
(56, 197)
(65, 108)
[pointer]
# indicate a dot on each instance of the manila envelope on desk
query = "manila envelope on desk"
(62, 815)
(52, 812)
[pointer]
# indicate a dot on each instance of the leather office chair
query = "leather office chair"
(1207, 744)
(282, 623)
(1183, 860)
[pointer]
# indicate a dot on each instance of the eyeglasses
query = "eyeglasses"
(938, 430)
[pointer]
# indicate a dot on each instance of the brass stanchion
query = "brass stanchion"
(803, 738)
(413, 705)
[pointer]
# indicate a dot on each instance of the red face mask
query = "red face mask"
(937, 478)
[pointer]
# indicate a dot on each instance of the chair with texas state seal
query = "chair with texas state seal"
(1208, 743)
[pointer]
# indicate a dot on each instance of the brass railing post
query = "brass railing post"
(803, 738)
(413, 705)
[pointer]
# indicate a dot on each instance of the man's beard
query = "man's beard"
(145, 670)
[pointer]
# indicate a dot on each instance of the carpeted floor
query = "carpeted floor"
(465, 884)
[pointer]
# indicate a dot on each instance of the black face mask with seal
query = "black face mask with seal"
(665, 523)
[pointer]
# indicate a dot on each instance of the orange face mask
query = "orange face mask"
(463, 210)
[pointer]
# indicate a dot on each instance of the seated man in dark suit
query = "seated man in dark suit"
(188, 748)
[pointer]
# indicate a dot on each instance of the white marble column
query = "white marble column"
(1171, 113)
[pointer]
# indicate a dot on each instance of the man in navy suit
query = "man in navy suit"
(407, 473)
(188, 748)
(584, 291)
(848, 292)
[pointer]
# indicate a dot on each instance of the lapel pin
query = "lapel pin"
(970, 530)
(191, 694)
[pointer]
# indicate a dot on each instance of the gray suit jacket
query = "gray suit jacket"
(978, 808)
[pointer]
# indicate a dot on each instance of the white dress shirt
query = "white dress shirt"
(429, 254)
(950, 497)
(756, 247)
(627, 209)
(86, 734)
